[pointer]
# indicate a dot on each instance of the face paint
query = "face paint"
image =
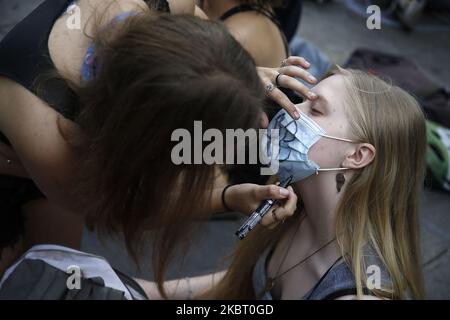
(296, 137)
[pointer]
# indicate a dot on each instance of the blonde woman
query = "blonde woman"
(355, 231)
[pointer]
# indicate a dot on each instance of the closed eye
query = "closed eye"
(315, 111)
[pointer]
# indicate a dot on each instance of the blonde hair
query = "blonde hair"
(379, 206)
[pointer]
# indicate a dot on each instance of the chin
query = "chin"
(301, 184)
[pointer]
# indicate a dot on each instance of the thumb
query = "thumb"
(272, 192)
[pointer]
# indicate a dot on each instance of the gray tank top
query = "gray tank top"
(338, 281)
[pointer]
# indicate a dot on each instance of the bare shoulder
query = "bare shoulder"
(68, 45)
(105, 11)
(114, 7)
(246, 24)
(176, 7)
(182, 7)
(259, 36)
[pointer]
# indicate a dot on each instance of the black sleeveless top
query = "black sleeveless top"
(25, 57)
(265, 12)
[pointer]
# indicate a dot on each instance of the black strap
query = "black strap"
(248, 7)
(267, 13)
(339, 293)
(322, 278)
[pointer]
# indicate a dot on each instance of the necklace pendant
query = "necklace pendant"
(269, 284)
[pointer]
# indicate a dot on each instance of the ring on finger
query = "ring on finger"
(277, 79)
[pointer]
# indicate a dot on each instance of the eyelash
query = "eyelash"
(316, 111)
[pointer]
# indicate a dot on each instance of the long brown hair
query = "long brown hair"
(380, 204)
(156, 75)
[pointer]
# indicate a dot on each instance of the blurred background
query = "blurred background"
(412, 48)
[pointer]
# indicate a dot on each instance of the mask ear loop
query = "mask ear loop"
(337, 138)
(332, 169)
(341, 139)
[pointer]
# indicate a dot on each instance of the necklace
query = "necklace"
(270, 281)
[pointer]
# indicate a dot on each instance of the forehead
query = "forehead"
(332, 91)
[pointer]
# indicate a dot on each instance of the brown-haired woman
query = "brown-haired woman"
(147, 76)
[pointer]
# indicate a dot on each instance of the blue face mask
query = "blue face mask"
(295, 137)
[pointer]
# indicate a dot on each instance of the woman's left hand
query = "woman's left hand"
(291, 68)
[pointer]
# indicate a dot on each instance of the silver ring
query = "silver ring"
(269, 88)
(284, 63)
(8, 161)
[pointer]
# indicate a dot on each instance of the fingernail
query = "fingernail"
(296, 115)
(284, 192)
(312, 78)
(306, 63)
(312, 95)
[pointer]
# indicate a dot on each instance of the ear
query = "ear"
(362, 155)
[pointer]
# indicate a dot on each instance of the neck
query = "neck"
(214, 9)
(320, 199)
